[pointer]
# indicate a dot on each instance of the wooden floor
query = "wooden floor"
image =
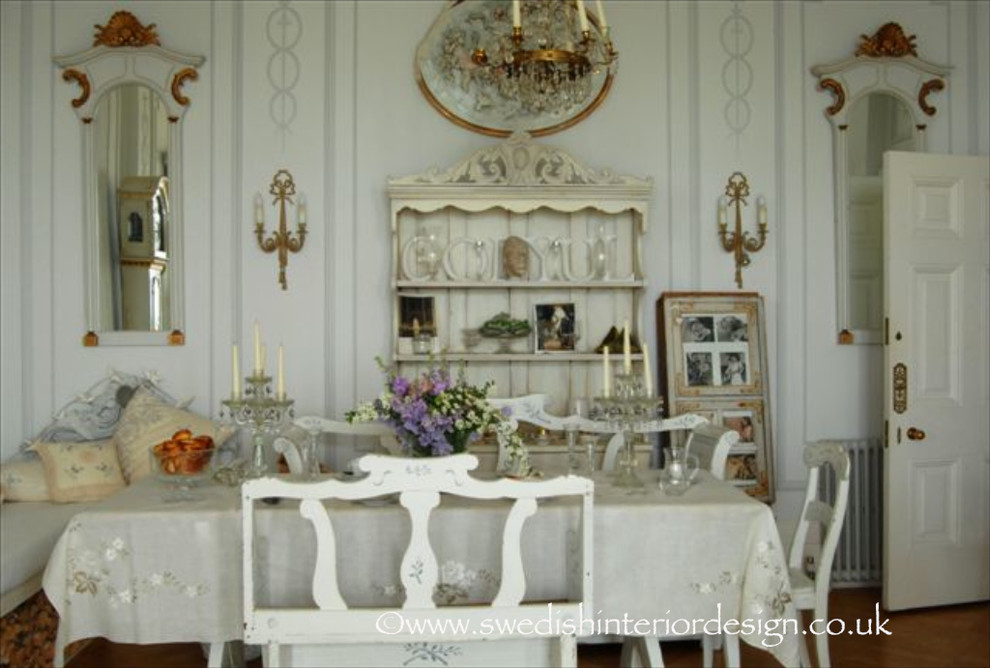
(950, 636)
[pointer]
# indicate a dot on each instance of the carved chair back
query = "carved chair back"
(419, 482)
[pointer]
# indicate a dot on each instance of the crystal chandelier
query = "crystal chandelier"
(547, 60)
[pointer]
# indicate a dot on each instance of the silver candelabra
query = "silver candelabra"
(262, 412)
(625, 410)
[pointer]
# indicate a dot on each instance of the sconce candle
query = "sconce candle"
(738, 242)
(235, 372)
(722, 206)
(282, 240)
(259, 210)
(516, 14)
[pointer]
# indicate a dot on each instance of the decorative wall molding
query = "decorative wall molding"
(283, 31)
(736, 38)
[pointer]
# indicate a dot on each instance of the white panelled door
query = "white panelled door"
(937, 388)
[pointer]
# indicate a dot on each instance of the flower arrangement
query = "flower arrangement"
(435, 415)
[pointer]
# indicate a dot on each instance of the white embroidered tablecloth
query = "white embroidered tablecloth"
(137, 569)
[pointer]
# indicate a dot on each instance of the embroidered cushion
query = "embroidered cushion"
(86, 471)
(147, 421)
(24, 480)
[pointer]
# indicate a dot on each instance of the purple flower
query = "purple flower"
(400, 386)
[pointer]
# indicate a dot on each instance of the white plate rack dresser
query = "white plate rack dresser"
(582, 230)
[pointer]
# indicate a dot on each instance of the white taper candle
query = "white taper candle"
(259, 209)
(602, 23)
(280, 381)
(647, 371)
(235, 374)
(606, 375)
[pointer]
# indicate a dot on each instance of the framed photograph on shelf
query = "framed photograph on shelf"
(713, 343)
(555, 327)
(416, 313)
(713, 363)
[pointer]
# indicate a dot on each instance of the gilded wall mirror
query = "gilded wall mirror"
(880, 103)
(131, 105)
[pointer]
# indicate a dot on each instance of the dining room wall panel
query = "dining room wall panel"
(358, 118)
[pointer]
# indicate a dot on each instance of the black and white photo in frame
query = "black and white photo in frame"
(556, 327)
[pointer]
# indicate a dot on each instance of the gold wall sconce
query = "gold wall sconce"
(284, 189)
(739, 242)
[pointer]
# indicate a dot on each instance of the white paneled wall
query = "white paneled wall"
(326, 90)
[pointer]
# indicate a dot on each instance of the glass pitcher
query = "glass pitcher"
(680, 470)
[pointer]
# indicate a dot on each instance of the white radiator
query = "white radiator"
(859, 553)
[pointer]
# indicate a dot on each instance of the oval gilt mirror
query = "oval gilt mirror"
(131, 104)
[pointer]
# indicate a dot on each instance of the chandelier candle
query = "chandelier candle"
(280, 381)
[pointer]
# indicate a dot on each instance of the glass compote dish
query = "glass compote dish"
(183, 462)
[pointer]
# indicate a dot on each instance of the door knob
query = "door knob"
(915, 434)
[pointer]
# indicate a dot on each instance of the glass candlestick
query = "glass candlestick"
(262, 412)
(627, 408)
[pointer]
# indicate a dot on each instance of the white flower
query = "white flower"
(190, 590)
(118, 543)
(125, 596)
(110, 554)
(156, 580)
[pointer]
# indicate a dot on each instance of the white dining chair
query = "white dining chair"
(331, 632)
(711, 444)
(312, 428)
(808, 593)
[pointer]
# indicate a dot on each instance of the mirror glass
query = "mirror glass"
(877, 123)
(130, 162)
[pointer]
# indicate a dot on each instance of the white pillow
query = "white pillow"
(146, 422)
(86, 471)
(23, 479)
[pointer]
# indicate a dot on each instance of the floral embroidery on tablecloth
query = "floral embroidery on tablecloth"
(769, 560)
(90, 574)
(725, 578)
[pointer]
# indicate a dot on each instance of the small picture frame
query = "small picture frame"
(556, 327)
(750, 464)
(416, 316)
(713, 343)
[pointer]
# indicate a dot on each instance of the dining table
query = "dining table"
(141, 567)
